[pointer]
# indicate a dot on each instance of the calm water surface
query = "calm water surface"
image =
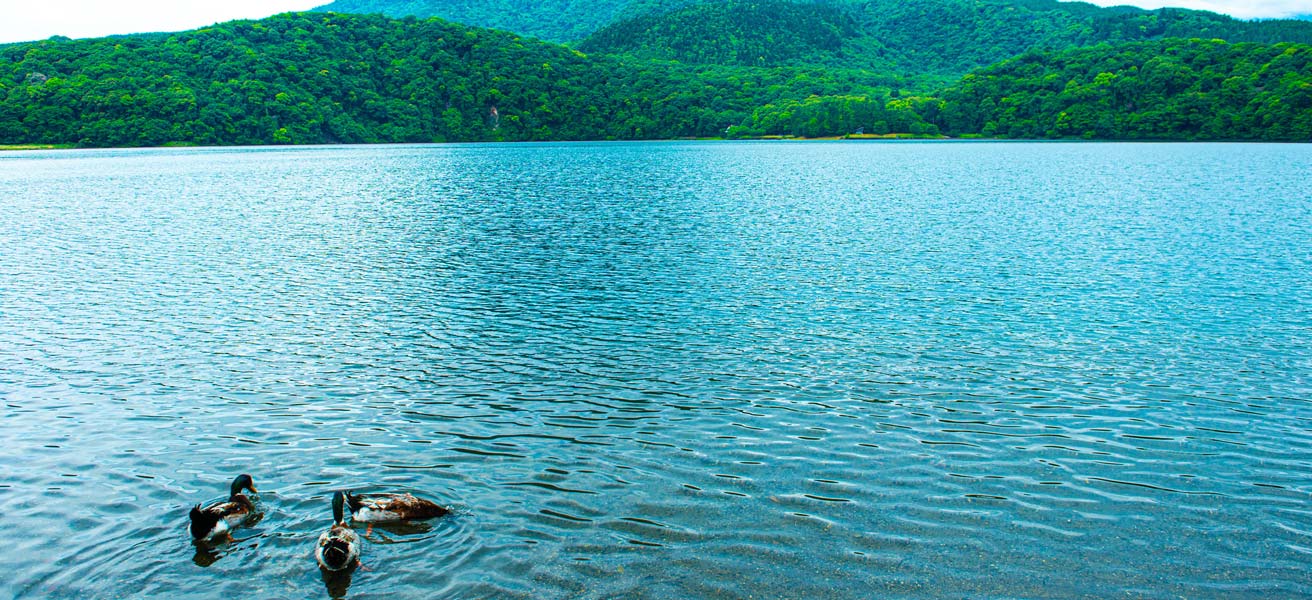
(663, 370)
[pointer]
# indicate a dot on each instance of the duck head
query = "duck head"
(339, 500)
(242, 482)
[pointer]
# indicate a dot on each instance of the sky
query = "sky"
(1244, 9)
(26, 20)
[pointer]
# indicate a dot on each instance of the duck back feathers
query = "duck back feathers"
(384, 508)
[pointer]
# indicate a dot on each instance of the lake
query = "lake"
(663, 370)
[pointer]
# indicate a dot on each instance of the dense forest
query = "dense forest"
(744, 33)
(336, 78)
(827, 116)
(328, 78)
(1177, 90)
(552, 20)
(947, 38)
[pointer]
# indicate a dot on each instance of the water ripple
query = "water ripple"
(663, 370)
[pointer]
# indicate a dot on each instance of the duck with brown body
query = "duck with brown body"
(218, 519)
(392, 508)
(339, 547)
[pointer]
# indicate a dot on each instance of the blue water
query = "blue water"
(711, 370)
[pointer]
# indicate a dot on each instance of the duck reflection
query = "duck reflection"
(206, 555)
(337, 582)
(209, 552)
(400, 529)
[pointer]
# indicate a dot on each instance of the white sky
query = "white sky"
(1244, 9)
(25, 20)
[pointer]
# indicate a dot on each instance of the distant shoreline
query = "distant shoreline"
(764, 138)
(16, 147)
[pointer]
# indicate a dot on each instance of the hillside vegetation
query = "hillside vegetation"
(743, 33)
(947, 38)
(318, 78)
(552, 20)
(944, 38)
(330, 78)
(1177, 90)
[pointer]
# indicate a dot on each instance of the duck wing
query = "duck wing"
(393, 507)
(235, 508)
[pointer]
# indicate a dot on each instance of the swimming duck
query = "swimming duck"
(392, 508)
(218, 518)
(339, 547)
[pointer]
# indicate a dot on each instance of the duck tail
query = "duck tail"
(202, 523)
(336, 555)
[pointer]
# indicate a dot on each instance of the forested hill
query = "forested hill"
(327, 78)
(552, 20)
(747, 33)
(941, 36)
(944, 37)
(1168, 90)
(892, 22)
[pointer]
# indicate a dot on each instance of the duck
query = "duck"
(392, 508)
(220, 518)
(339, 547)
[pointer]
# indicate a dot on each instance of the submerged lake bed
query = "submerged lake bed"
(720, 370)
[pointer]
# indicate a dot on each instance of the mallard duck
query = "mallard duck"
(392, 508)
(218, 518)
(339, 547)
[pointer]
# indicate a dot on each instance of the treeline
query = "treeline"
(1183, 90)
(939, 37)
(740, 33)
(957, 36)
(551, 20)
(327, 78)
(315, 78)
(821, 116)
(944, 38)
(1171, 90)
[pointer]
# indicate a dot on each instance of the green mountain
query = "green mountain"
(943, 37)
(926, 43)
(553, 20)
(319, 78)
(1174, 89)
(745, 33)
(328, 78)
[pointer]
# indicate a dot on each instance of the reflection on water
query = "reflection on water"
(397, 533)
(206, 554)
(663, 370)
(337, 582)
